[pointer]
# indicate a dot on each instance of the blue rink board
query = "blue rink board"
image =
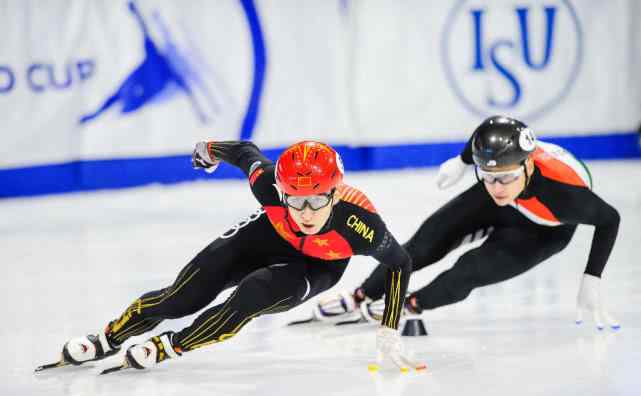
(128, 172)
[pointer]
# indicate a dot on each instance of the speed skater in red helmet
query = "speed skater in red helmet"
(297, 245)
(308, 175)
(308, 168)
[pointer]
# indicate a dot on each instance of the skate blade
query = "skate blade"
(351, 321)
(123, 366)
(302, 321)
(60, 363)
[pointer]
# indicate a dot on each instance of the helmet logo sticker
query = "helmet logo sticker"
(304, 181)
(527, 141)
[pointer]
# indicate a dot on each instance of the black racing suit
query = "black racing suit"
(538, 225)
(275, 266)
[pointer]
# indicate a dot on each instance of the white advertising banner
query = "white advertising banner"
(87, 80)
(427, 70)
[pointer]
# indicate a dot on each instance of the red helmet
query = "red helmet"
(308, 168)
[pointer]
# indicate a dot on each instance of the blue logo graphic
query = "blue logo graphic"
(161, 74)
(516, 57)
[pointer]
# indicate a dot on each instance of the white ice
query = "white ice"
(72, 262)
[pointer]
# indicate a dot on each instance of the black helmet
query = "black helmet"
(501, 141)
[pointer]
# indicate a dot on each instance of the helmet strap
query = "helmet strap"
(331, 210)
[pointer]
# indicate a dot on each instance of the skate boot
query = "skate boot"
(337, 308)
(153, 351)
(89, 348)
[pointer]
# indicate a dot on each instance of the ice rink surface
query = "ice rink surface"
(72, 262)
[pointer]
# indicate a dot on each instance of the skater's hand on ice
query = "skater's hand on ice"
(450, 172)
(589, 300)
(388, 346)
(201, 158)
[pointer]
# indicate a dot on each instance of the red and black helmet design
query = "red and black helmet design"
(308, 168)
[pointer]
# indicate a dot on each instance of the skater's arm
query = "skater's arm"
(452, 170)
(399, 267)
(578, 205)
(242, 154)
(368, 236)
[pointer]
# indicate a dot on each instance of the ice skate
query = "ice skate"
(89, 348)
(84, 349)
(338, 308)
(153, 351)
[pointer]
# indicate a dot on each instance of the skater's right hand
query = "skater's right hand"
(450, 172)
(389, 346)
(589, 300)
(203, 158)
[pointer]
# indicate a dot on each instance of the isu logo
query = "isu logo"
(520, 57)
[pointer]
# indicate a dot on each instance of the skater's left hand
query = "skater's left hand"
(388, 346)
(450, 172)
(589, 299)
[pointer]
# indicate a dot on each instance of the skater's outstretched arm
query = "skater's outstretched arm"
(241, 154)
(248, 158)
(452, 170)
(580, 205)
(399, 267)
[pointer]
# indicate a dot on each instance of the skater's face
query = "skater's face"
(505, 184)
(311, 221)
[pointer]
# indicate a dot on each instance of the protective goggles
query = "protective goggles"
(501, 177)
(315, 202)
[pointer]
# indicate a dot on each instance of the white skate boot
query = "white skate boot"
(153, 351)
(89, 348)
(338, 308)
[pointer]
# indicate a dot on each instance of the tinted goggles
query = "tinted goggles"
(315, 202)
(501, 177)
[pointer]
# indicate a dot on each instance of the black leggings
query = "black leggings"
(514, 246)
(271, 277)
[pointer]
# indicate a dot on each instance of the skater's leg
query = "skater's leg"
(220, 265)
(276, 288)
(507, 253)
(271, 289)
(464, 219)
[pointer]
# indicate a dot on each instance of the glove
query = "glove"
(201, 158)
(589, 299)
(388, 345)
(450, 172)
